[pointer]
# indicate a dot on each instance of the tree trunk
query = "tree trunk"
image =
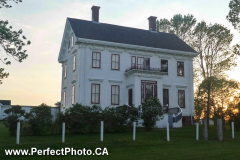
(208, 102)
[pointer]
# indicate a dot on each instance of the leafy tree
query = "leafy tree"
(234, 13)
(3, 3)
(233, 111)
(13, 116)
(212, 42)
(80, 119)
(151, 112)
(12, 42)
(39, 120)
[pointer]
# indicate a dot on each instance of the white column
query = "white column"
(137, 91)
(63, 132)
(168, 137)
(101, 134)
(18, 133)
(160, 90)
(197, 131)
(232, 129)
(134, 131)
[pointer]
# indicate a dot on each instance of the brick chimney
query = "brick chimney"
(95, 13)
(152, 23)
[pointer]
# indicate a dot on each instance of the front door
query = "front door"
(148, 89)
(130, 97)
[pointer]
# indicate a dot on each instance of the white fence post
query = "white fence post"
(134, 131)
(232, 130)
(18, 133)
(101, 136)
(197, 131)
(168, 138)
(63, 132)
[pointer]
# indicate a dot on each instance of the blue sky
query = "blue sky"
(38, 78)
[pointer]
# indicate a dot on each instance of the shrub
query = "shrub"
(119, 119)
(14, 113)
(151, 112)
(39, 120)
(80, 119)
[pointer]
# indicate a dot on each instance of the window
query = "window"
(72, 41)
(180, 68)
(115, 62)
(115, 95)
(148, 89)
(65, 71)
(143, 62)
(74, 62)
(73, 94)
(95, 94)
(133, 61)
(164, 65)
(64, 99)
(165, 97)
(181, 98)
(96, 60)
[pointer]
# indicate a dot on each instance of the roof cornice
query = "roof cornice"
(129, 46)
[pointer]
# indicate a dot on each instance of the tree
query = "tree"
(151, 112)
(11, 42)
(13, 116)
(234, 13)
(212, 42)
(39, 119)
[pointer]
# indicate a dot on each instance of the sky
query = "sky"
(38, 78)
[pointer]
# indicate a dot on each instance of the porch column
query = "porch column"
(160, 89)
(137, 91)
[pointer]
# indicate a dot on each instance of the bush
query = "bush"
(14, 113)
(119, 119)
(81, 119)
(39, 120)
(151, 112)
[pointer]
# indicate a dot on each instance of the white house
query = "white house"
(6, 104)
(111, 65)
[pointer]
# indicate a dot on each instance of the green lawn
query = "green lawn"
(148, 145)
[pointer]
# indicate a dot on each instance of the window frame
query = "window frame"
(65, 71)
(135, 64)
(178, 73)
(167, 97)
(115, 94)
(95, 93)
(96, 59)
(167, 63)
(73, 94)
(184, 101)
(64, 99)
(74, 62)
(115, 62)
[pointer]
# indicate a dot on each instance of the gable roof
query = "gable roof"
(126, 35)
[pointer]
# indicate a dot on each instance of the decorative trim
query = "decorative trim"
(181, 86)
(150, 76)
(73, 81)
(115, 51)
(95, 79)
(65, 61)
(130, 85)
(114, 81)
(74, 51)
(96, 49)
(137, 47)
(164, 57)
(140, 54)
(64, 87)
(167, 85)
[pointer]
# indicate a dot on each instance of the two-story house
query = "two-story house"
(111, 65)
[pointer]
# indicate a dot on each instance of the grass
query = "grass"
(148, 145)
